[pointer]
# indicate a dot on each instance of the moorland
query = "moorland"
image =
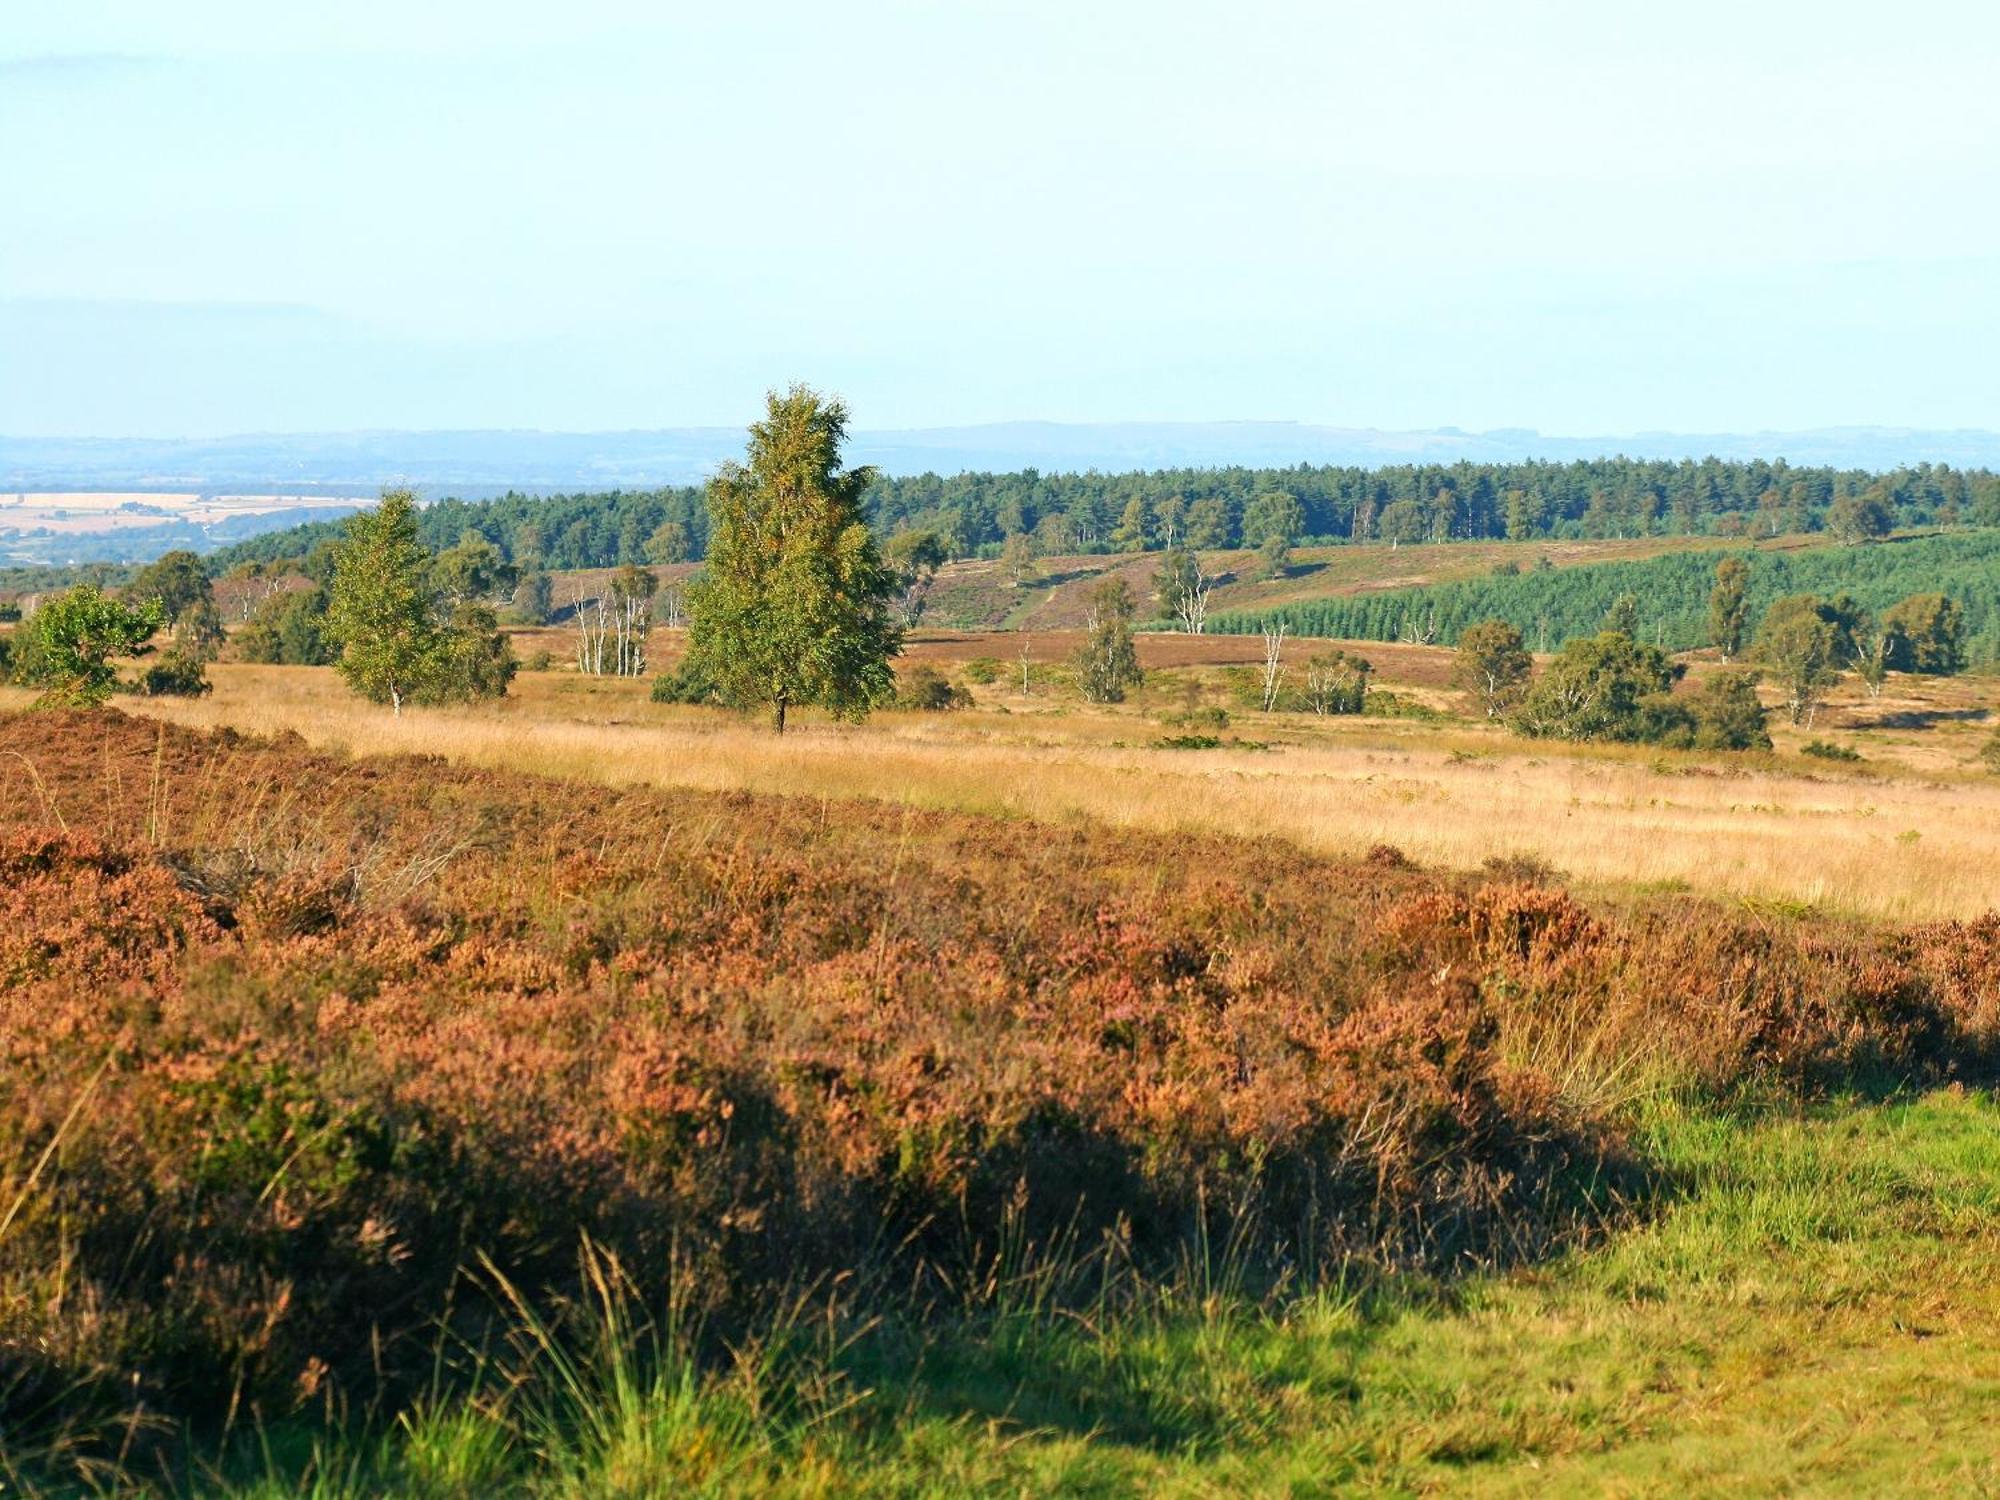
(1225, 1084)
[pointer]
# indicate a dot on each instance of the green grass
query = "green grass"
(1812, 1307)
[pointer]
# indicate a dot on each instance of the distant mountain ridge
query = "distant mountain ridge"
(475, 463)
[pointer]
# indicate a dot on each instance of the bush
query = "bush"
(1210, 717)
(983, 670)
(541, 661)
(177, 674)
(1727, 714)
(927, 690)
(1605, 687)
(1826, 750)
(1989, 754)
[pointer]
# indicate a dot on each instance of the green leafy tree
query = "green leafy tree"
(1208, 524)
(914, 557)
(1017, 558)
(289, 629)
(1601, 687)
(1728, 715)
(473, 659)
(1134, 532)
(1182, 587)
(1931, 635)
(471, 571)
(793, 606)
(1401, 521)
(1801, 645)
(1729, 607)
(1859, 518)
(1107, 663)
(669, 544)
(1336, 682)
(75, 638)
(187, 601)
(1494, 666)
(1273, 522)
(535, 598)
(380, 608)
(1623, 616)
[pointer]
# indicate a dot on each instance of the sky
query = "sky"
(225, 216)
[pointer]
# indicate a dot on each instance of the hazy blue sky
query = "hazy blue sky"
(1574, 215)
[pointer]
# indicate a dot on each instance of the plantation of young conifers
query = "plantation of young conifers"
(393, 1126)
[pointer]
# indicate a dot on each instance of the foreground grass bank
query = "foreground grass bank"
(1815, 1310)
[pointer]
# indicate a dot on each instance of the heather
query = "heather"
(326, 1083)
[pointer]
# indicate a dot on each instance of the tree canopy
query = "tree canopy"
(793, 607)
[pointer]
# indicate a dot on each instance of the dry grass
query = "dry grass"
(1902, 847)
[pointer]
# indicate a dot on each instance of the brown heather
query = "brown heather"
(290, 1043)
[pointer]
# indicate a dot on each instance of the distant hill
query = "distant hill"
(476, 463)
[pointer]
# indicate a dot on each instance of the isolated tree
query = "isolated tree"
(1336, 683)
(75, 637)
(793, 606)
(1729, 607)
(380, 607)
(914, 557)
(1494, 666)
(1017, 558)
(1274, 664)
(1801, 646)
(1931, 635)
(631, 603)
(1183, 588)
(1107, 662)
(1880, 648)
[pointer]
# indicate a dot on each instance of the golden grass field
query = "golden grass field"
(1906, 834)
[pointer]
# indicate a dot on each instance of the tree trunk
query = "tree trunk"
(778, 716)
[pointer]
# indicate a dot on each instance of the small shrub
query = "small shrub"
(175, 675)
(1209, 718)
(1827, 750)
(1989, 753)
(1521, 869)
(983, 670)
(541, 661)
(927, 690)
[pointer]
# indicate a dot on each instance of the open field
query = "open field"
(1908, 833)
